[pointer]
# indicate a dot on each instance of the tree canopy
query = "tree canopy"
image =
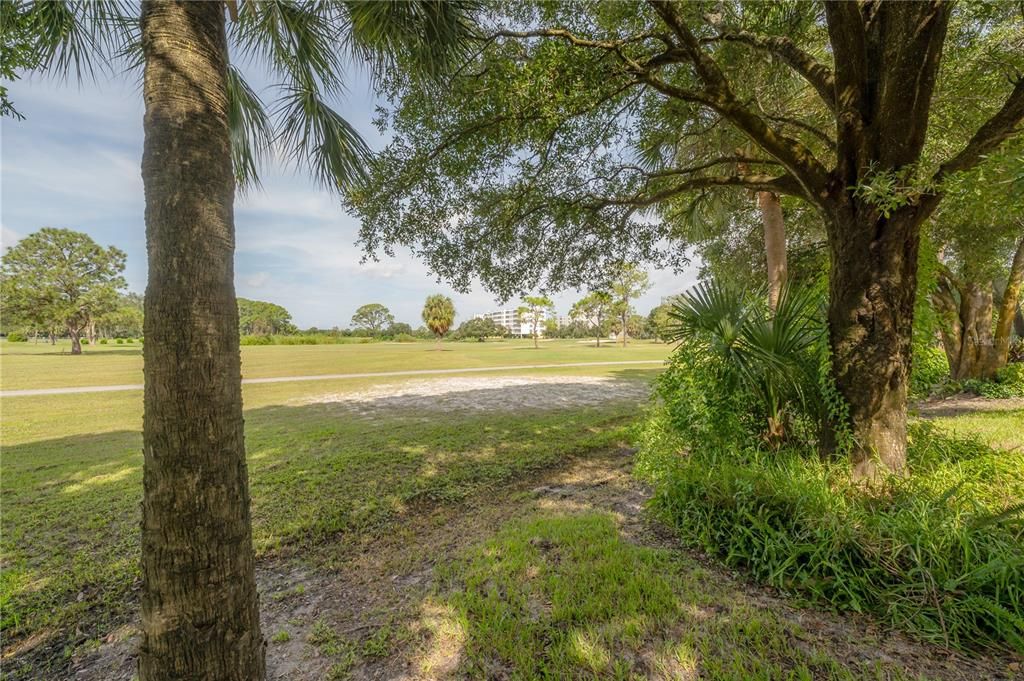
(373, 317)
(259, 317)
(59, 278)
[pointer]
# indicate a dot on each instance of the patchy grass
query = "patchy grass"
(1000, 429)
(31, 365)
(567, 596)
(323, 482)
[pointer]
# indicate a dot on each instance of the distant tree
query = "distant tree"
(594, 309)
(628, 283)
(658, 323)
(125, 320)
(262, 318)
(373, 317)
(398, 328)
(533, 311)
(439, 315)
(59, 278)
(479, 328)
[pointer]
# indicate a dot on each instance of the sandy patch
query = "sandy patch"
(488, 393)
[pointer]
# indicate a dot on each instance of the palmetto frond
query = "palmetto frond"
(770, 352)
(426, 36)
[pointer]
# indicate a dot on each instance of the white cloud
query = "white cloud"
(257, 280)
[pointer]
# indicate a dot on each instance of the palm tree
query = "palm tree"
(439, 315)
(205, 131)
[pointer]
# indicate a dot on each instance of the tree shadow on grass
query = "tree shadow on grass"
(320, 475)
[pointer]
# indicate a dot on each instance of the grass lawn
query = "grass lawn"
(40, 365)
(341, 492)
(322, 475)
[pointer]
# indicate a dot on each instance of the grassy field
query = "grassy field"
(39, 365)
(334, 487)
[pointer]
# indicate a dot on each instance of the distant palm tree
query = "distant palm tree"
(205, 131)
(439, 315)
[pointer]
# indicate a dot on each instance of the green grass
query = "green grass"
(32, 365)
(322, 479)
(567, 597)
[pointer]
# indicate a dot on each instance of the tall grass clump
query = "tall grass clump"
(752, 476)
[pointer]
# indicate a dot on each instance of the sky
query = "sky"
(75, 160)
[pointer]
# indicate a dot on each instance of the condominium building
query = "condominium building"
(513, 323)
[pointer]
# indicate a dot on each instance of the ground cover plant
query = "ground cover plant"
(937, 552)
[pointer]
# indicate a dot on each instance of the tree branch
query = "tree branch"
(718, 95)
(817, 74)
(989, 136)
(782, 184)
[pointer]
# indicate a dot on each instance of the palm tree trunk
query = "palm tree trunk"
(200, 613)
(774, 243)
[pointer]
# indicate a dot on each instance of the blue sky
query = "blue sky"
(74, 162)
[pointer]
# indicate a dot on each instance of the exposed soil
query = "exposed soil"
(957, 405)
(386, 585)
(487, 393)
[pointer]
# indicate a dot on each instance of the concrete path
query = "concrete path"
(327, 377)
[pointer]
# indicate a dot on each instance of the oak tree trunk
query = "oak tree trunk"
(76, 341)
(871, 310)
(1008, 307)
(774, 243)
(200, 614)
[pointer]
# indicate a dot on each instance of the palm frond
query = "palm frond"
(297, 41)
(83, 37)
(423, 36)
(315, 135)
(251, 130)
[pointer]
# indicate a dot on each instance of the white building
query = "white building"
(513, 323)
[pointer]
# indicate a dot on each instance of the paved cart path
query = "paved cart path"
(328, 377)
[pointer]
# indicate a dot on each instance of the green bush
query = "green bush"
(85, 341)
(120, 341)
(404, 338)
(940, 553)
(929, 370)
(306, 339)
(15, 337)
(103, 341)
(249, 339)
(744, 374)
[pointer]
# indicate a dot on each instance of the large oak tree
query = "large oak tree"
(536, 162)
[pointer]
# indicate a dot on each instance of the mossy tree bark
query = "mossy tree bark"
(200, 615)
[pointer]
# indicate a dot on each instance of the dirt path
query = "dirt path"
(370, 612)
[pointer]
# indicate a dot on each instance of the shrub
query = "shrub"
(120, 341)
(930, 369)
(745, 374)
(103, 341)
(249, 339)
(939, 553)
(16, 337)
(85, 341)
(1009, 382)
(404, 338)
